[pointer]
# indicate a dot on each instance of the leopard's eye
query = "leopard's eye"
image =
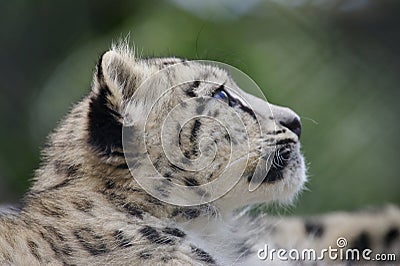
(225, 97)
(221, 95)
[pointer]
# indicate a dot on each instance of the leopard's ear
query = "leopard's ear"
(115, 80)
(117, 72)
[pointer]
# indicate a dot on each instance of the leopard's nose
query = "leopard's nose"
(287, 118)
(293, 124)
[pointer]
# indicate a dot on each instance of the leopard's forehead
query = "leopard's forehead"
(174, 71)
(197, 69)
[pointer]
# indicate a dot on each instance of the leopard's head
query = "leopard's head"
(190, 135)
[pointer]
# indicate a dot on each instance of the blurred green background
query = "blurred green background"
(336, 63)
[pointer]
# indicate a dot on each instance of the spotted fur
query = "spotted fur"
(86, 208)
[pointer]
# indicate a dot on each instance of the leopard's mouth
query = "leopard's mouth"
(281, 159)
(276, 164)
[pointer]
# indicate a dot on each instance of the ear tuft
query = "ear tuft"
(117, 70)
